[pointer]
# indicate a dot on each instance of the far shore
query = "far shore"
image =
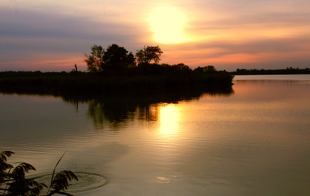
(287, 71)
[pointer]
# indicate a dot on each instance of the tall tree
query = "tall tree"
(95, 61)
(206, 69)
(209, 69)
(117, 58)
(114, 58)
(148, 54)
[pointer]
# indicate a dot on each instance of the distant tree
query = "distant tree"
(113, 58)
(198, 69)
(181, 66)
(95, 61)
(206, 69)
(209, 69)
(117, 58)
(148, 54)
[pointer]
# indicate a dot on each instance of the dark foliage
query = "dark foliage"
(13, 181)
(95, 61)
(148, 54)
(147, 77)
(288, 70)
(113, 60)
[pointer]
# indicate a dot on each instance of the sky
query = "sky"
(50, 35)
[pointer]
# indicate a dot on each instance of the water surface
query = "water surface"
(254, 140)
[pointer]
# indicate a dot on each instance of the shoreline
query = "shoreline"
(88, 82)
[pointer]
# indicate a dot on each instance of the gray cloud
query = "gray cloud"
(33, 24)
(35, 34)
(261, 46)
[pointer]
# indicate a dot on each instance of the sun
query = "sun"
(167, 23)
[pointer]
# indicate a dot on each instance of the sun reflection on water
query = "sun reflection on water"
(168, 119)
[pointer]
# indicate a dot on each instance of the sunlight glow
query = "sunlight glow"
(167, 23)
(168, 120)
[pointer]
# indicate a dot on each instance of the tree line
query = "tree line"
(116, 69)
(288, 70)
(116, 60)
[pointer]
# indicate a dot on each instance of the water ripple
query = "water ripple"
(87, 181)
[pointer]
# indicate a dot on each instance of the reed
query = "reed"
(13, 180)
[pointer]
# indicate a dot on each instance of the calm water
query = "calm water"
(254, 140)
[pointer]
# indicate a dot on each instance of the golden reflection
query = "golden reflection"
(168, 119)
(161, 179)
(167, 24)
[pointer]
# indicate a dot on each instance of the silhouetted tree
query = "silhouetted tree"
(206, 69)
(209, 69)
(148, 54)
(181, 66)
(114, 58)
(117, 58)
(95, 61)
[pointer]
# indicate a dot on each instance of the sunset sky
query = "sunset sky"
(50, 35)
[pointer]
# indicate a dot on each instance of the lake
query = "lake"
(253, 139)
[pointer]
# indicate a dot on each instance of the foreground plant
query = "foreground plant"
(13, 180)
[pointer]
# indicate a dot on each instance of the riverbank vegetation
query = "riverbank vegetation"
(288, 70)
(83, 82)
(115, 69)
